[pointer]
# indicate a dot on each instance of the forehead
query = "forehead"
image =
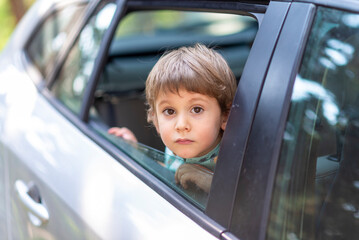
(182, 95)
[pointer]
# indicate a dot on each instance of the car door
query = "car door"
(3, 196)
(64, 185)
(219, 205)
(115, 88)
(28, 194)
(69, 179)
(317, 162)
(302, 180)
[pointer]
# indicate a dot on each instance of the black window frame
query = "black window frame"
(243, 112)
(256, 181)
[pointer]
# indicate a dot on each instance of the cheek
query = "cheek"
(164, 129)
(208, 130)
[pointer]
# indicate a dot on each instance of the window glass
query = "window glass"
(48, 40)
(75, 73)
(141, 38)
(317, 184)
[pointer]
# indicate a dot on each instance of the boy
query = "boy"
(189, 93)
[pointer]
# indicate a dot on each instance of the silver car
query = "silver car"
(288, 165)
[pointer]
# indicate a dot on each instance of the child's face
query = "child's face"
(189, 123)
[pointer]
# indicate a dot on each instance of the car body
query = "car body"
(288, 165)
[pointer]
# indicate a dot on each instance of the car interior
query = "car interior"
(340, 194)
(119, 97)
(332, 174)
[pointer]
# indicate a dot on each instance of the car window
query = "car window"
(74, 75)
(141, 38)
(45, 45)
(316, 192)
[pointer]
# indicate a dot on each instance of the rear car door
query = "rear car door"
(301, 183)
(62, 184)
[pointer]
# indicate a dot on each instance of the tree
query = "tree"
(18, 8)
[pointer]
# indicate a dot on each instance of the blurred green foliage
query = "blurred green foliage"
(7, 20)
(148, 22)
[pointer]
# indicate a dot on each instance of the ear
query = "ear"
(224, 120)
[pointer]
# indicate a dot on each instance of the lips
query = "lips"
(184, 141)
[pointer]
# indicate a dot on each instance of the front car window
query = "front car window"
(141, 38)
(76, 71)
(317, 185)
(48, 40)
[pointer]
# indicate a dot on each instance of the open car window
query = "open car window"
(141, 38)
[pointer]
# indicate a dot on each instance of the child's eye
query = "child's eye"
(197, 110)
(168, 112)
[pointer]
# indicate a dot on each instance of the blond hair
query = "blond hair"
(196, 69)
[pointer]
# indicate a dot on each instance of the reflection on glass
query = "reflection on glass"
(70, 86)
(316, 191)
(351, 20)
(47, 42)
(305, 89)
(104, 17)
(160, 164)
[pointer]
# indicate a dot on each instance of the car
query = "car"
(288, 164)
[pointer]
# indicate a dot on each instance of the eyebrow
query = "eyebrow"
(191, 100)
(162, 102)
(197, 99)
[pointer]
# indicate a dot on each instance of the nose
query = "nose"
(182, 123)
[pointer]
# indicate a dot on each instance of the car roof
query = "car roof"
(263, 2)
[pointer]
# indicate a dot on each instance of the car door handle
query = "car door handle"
(30, 197)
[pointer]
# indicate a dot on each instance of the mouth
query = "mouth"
(184, 141)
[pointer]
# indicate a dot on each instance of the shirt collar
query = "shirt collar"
(212, 154)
